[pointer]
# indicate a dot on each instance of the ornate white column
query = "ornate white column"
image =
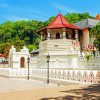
(76, 34)
(60, 35)
(48, 34)
(41, 36)
(64, 33)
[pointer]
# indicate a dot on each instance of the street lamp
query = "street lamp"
(4, 61)
(28, 61)
(48, 59)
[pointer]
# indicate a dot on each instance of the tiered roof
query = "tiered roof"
(60, 22)
(87, 23)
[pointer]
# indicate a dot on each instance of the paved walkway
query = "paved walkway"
(14, 89)
(8, 85)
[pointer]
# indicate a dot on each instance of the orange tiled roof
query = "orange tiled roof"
(98, 16)
(2, 55)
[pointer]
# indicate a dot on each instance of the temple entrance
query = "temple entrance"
(57, 35)
(22, 62)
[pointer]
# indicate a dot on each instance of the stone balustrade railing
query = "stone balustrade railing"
(83, 76)
(92, 63)
(4, 72)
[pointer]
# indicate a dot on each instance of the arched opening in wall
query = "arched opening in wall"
(22, 62)
(91, 75)
(79, 76)
(85, 75)
(57, 35)
(68, 75)
(73, 74)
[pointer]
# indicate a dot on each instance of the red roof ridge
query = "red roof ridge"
(60, 22)
(61, 19)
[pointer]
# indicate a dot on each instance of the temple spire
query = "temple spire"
(59, 12)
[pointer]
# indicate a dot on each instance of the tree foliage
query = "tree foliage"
(19, 33)
(76, 17)
(95, 31)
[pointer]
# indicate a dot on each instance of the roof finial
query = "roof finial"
(59, 12)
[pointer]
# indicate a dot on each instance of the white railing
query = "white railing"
(83, 76)
(3, 65)
(20, 72)
(4, 72)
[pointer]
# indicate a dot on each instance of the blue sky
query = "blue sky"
(42, 9)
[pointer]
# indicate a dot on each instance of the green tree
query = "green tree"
(6, 29)
(7, 47)
(2, 48)
(95, 31)
(76, 17)
(31, 47)
(19, 44)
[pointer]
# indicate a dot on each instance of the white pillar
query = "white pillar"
(85, 38)
(48, 34)
(76, 34)
(60, 35)
(48, 37)
(64, 33)
(41, 36)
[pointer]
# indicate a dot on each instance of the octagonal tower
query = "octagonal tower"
(59, 37)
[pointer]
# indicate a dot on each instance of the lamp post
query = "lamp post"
(4, 61)
(28, 61)
(48, 59)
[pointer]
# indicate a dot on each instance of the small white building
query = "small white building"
(18, 59)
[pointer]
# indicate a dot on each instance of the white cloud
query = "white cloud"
(63, 8)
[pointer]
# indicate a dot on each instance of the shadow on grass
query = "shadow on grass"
(91, 92)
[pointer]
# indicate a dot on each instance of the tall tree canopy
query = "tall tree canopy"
(95, 31)
(76, 17)
(22, 33)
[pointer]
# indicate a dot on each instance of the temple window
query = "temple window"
(66, 36)
(57, 35)
(69, 36)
